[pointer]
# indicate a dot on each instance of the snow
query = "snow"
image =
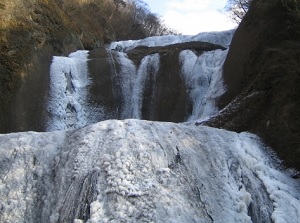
(142, 171)
(220, 38)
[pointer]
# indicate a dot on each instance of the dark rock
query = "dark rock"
(27, 46)
(262, 74)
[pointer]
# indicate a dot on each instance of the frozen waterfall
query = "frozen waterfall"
(203, 76)
(149, 67)
(68, 92)
(95, 170)
(133, 85)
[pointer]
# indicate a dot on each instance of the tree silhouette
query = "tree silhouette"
(236, 9)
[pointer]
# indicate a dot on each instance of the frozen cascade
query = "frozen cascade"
(127, 76)
(142, 171)
(132, 90)
(68, 92)
(148, 69)
(203, 77)
(132, 80)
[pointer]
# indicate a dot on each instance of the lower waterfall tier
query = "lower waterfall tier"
(142, 171)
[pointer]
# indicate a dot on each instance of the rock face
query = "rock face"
(262, 77)
(31, 33)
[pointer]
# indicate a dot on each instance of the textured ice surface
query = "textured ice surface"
(203, 78)
(141, 171)
(68, 92)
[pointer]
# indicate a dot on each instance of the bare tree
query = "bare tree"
(236, 9)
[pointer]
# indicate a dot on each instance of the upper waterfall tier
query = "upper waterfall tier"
(177, 82)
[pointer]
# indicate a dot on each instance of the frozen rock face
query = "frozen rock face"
(141, 171)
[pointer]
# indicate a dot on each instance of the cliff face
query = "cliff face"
(31, 32)
(262, 77)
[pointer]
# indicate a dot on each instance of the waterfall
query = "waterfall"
(141, 89)
(68, 92)
(203, 76)
(127, 78)
(148, 69)
(134, 170)
(132, 80)
(132, 87)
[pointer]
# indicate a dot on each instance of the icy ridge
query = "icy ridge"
(220, 38)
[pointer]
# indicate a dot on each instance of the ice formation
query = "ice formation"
(68, 92)
(203, 77)
(142, 171)
(202, 74)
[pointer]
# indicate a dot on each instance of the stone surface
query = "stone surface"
(262, 77)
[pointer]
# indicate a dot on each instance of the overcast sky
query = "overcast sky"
(192, 16)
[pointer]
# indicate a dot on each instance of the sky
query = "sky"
(191, 17)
